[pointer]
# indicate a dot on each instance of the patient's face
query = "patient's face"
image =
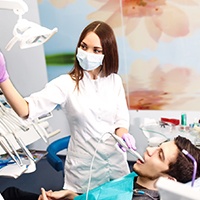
(156, 160)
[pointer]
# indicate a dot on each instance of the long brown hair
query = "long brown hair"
(109, 46)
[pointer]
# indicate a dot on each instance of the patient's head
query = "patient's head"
(168, 160)
(183, 168)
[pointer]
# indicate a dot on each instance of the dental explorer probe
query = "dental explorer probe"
(122, 143)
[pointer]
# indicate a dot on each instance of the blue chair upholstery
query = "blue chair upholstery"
(54, 160)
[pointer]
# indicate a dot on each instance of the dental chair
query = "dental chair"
(53, 149)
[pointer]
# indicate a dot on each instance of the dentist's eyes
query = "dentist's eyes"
(83, 46)
(98, 51)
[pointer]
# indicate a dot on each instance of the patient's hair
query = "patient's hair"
(183, 168)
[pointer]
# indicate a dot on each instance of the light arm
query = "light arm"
(29, 34)
(19, 7)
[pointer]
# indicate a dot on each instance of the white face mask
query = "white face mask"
(89, 61)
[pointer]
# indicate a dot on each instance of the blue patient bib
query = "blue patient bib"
(119, 189)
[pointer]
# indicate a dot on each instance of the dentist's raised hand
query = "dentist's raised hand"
(3, 72)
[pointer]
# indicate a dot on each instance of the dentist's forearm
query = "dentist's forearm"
(16, 101)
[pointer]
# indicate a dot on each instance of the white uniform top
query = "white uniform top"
(97, 108)
(1, 198)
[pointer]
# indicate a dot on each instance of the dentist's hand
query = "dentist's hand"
(3, 72)
(129, 140)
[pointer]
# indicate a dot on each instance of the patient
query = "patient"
(167, 161)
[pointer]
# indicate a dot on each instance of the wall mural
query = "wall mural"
(158, 41)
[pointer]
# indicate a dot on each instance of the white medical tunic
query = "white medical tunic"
(1, 198)
(97, 108)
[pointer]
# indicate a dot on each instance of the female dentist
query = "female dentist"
(93, 99)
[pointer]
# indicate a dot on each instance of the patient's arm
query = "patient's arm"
(57, 195)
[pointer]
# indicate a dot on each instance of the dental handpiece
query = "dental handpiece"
(9, 142)
(18, 160)
(18, 140)
(24, 148)
(39, 133)
(6, 149)
(122, 143)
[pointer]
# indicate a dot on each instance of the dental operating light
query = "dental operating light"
(28, 33)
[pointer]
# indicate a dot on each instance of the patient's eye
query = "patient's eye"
(161, 154)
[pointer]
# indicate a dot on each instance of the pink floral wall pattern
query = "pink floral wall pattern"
(159, 46)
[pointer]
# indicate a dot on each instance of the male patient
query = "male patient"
(167, 161)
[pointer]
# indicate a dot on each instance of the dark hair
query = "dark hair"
(109, 46)
(183, 168)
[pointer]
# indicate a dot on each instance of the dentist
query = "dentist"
(93, 99)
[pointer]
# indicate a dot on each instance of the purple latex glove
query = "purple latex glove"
(129, 140)
(3, 72)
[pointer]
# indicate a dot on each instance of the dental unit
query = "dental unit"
(28, 33)
(16, 134)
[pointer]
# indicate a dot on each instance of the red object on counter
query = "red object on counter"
(173, 121)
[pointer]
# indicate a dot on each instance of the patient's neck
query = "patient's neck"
(147, 183)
